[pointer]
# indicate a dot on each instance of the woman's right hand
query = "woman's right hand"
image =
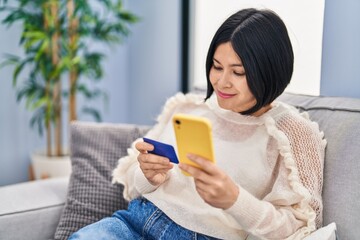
(154, 167)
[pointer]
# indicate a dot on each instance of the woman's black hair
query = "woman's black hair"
(260, 39)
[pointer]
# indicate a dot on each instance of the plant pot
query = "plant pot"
(44, 166)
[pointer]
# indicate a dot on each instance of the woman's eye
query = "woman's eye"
(217, 68)
(239, 74)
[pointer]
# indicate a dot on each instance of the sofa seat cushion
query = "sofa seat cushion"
(38, 202)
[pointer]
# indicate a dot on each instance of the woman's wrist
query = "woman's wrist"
(233, 196)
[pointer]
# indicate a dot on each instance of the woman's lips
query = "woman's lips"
(224, 95)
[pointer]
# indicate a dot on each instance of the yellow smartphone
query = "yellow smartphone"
(193, 135)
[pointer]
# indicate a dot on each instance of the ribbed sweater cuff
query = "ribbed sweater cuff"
(141, 183)
(247, 209)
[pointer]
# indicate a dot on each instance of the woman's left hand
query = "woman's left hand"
(213, 185)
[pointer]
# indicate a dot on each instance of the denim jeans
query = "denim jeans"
(142, 220)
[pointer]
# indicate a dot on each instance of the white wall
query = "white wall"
(16, 138)
(341, 49)
(155, 57)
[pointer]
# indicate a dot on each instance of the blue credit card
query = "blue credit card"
(163, 149)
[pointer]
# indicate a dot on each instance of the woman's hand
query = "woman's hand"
(213, 185)
(154, 167)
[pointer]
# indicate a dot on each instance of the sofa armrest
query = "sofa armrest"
(32, 210)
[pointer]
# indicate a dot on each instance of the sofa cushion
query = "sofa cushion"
(36, 202)
(95, 150)
(339, 118)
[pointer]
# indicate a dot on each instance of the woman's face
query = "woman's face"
(227, 76)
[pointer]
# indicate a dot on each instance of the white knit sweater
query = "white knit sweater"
(276, 159)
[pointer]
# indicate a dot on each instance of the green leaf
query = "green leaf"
(82, 88)
(18, 69)
(56, 72)
(90, 66)
(76, 60)
(93, 112)
(10, 60)
(128, 17)
(14, 16)
(107, 3)
(30, 90)
(30, 43)
(38, 103)
(38, 119)
(35, 35)
(41, 51)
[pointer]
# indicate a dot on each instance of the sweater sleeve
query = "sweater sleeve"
(273, 217)
(290, 209)
(308, 150)
(128, 172)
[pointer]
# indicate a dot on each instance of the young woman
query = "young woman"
(267, 179)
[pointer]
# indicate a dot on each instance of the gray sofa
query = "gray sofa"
(32, 210)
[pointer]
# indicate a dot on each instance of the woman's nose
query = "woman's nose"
(224, 80)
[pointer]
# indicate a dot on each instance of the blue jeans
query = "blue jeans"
(142, 220)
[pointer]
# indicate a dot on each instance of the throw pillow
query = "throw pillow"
(325, 233)
(95, 149)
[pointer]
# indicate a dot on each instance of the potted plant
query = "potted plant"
(54, 37)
